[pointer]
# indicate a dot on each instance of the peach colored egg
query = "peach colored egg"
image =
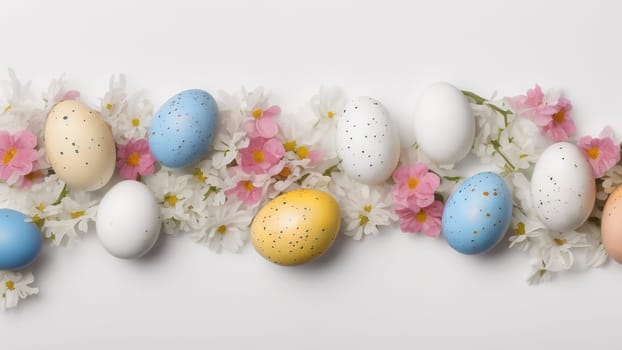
(611, 225)
(79, 145)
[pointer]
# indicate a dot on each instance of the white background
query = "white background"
(394, 284)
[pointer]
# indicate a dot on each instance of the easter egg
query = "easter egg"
(80, 146)
(128, 220)
(563, 189)
(611, 225)
(20, 240)
(182, 130)
(296, 227)
(367, 142)
(444, 124)
(478, 214)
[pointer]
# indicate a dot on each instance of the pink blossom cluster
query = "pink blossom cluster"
(553, 119)
(602, 153)
(19, 159)
(417, 209)
(134, 159)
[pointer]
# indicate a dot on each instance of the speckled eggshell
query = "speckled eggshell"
(444, 124)
(80, 146)
(182, 131)
(20, 240)
(128, 220)
(478, 214)
(611, 225)
(563, 187)
(296, 227)
(367, 142)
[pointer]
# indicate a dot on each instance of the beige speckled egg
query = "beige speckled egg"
(296, 227)
(79, 145)
(611, 225)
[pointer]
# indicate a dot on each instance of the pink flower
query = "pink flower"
(17, 154)
(262, 123)
(415, 185)
(36, 176)
(134, 159)
(602, 153)
(71, 95)
(425, 220)
(525, 105)
(555, 120)
(262, 156)
(246, 192)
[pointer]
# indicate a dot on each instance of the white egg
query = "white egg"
(563, 189)
(444, 124)
(367, 142)
(128, 220)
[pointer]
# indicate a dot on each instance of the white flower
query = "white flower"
(327, 105)
(365, 208)
(134, 118)
(114, 101)
(15, 97)
(64, 221)
(175, 194)
(557, 252)
(225, 226)
(540, 274)
(596, 255)
(215, 180)
(15, 286)
(254, 100)
(526, 227)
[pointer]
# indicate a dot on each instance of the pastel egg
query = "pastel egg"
(182, 131)
(128, 220)
(444, 124)
(367, 142)
(611, 225)
(296, 227)
(20, 240)
(563, 188)
(478, 214)
(80, 146)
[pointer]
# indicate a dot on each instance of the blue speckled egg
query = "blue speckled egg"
(182, 131)
(20, 240)
(477, 215)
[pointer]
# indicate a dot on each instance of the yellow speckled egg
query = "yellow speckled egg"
(611, 225)
(79, 145)
(296, 227)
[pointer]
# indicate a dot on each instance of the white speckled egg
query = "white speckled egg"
(444, 124)
(563, 187)
(79, 145)
(367, 142)
(128, 220)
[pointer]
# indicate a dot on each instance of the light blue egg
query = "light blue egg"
(478, 214)
(182, 131)
(20, 240)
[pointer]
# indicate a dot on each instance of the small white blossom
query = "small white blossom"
(15, 286)
(225, 226)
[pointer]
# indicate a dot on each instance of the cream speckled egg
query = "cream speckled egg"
(79, 145)
(563, 189)
(296, 227)
(611, 225)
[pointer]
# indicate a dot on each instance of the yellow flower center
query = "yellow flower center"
(258, 157)
(560, 116)
(7, 108)
(171, 200)
(40, 207)
(367, 208)
(10, 285)
(222, 229)
(32, 176)
(257, 113)
(198, 174)
(248, 185)
(37, 220)
(302, 152)
(421, 216)
(363, 219)
(284, 174)
(289, 146)
(135, 122)
(593, 152)
(8, 156)
(133, 160)
(559, 241)
(520, 228)
(77, 214)
(109, 106)
(413, 182)
(330, 115)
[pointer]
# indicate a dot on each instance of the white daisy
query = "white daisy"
(225, 226)
(63, 222)
(15, 97)
(327, 105)
(134, 118)
(114, 101)
(365, 208)
(540, 273)
(558, 250)
(175, 193)
(526, 228)
(15, 286)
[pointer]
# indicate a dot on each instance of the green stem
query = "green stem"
(452, 178)
(63, 193)
(497, 147)
(482, 101)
